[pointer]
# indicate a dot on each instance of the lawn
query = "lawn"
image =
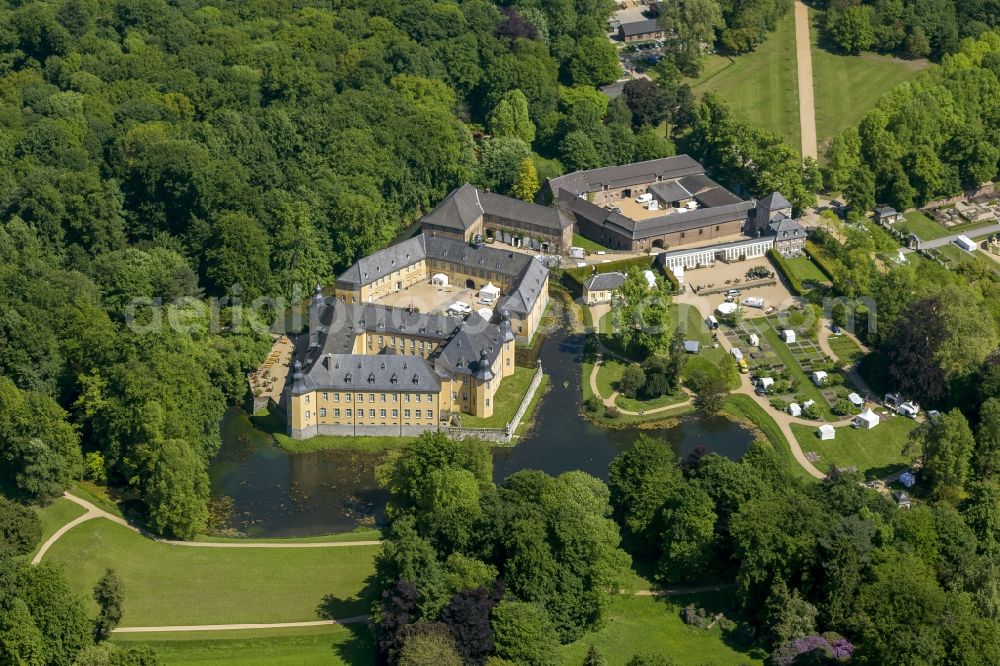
(846, 87)
(922, 226)
(876, 452)
(847, 350)
(805, 269)
(694, 328)
(56, 515)
(333, 645)
(608, 375)
(506, 401)
(653, 625)
(743, 407)
(177, 585)
(761, 86)
(587, 244)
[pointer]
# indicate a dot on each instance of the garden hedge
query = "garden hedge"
(793, 282)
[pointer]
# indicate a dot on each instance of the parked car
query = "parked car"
(835, 329)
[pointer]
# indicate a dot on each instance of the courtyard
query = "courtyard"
(427, 297)
(733, 275)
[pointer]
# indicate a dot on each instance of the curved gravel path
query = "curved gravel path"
(93, 511)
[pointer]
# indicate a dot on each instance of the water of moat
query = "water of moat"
(277, 494)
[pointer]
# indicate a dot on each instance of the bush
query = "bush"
(842, 408)
(779, 404)
(591, 403)
(810, 412)
(523, 633)
(611, 412)
(20, 530)
(695, 616)
(633, 379)
(93, 468)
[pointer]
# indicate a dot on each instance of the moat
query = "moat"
(280, 494)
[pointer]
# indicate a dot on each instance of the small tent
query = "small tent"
(764, 384)
(856, 399)
(826, 431)
(439, 279)
(788, 335)
(866, 420)
(485, 313)
(754, 340)
(489, 293)
(819, 377)
(650, 279)
(727, 308)
(794, 409)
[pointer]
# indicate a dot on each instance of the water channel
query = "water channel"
(278, 494)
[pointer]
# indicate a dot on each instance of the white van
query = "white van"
(644, 198)
(712, 323)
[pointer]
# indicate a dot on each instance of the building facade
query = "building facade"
(601, 287)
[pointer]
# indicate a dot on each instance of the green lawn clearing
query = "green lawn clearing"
(761, 86)
(608, 374)
(846, 87)
(587, 244)
(876, 452)
(744, 408)
(847, 350)
(664, 400)
(805, 269)
(921, 226)
(506, 401)
(653, 625)
(55, 515)
(333, 646)
(180, 585)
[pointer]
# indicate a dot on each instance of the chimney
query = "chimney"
(315, 305)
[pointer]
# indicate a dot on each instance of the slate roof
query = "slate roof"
(465, 205)
(461, 353)
(666, 168)
(640, 27)
(604, 281)
(368, 269)
(382, 372)
(671, 190)
(786, 228)
(774, 201)
(664, 224)
(883, 211)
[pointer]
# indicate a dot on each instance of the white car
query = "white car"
(644, 198)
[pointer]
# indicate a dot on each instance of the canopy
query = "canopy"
(826, 431)
(489, 293)
(439, 279)
(485, 313)
(867, 419)
(856, 399)
(727, 308)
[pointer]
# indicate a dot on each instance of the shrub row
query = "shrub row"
(793, 282)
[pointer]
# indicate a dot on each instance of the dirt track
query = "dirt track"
(807, 104)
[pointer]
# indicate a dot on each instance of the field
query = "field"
(334, 645)
(653, 625)
(587, 244)
(56, 515)
(506, 401)
(177, 585)
(922, 226)
(876, 453)
(847, 350)
(846, 87)
(805, 270)
(760, 86)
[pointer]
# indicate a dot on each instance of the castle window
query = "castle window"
(326, 396)
(487, 402)
(322, 412)
(430, 414)
(371, 397)
(418, 414)
(308, 415)
(371, 413)
(383, 398)
(347, 397)
(307, 399)
(395, 413)
(361, 397)
(430, 398)
(336, 413)
(406, 413)
(406, 397)
(382, 413)
(348, 413)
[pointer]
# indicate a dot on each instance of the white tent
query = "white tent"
(809, 403)
(440, 279)
(485, 313)
(819, 377)
(727, 308)
(866, 420)
(788, 335)
(826, 431)
(794, 409)
(489, 293)
(856, 399)
(754, 340)
(764, 383)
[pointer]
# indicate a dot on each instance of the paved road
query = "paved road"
(938, 242)
(93, 511)
(807, 104)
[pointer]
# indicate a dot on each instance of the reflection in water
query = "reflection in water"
(280, 494)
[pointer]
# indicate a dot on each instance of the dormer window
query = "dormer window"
(416, 380)
(371, 378)
(347, 378)
(394, 379)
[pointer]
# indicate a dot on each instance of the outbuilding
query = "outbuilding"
(866, 420)
(819, 377)
(902, 499)
(826, 431)
(788, 335)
